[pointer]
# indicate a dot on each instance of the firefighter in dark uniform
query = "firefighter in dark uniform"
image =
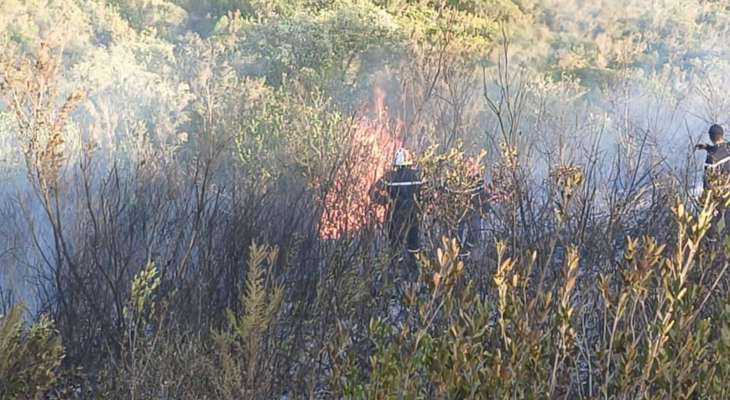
(400, 190)
(718, 154)
(717, 172)
(470, 224)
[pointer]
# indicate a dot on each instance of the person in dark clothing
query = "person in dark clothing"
(470, 223)
(717, 171)
(718, 155)
(400, 190)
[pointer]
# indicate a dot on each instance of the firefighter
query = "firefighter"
(717, 171)
(718, 155)
(400, 190)
(470, 224)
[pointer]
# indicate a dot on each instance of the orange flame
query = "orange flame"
(346, 205)
(473, 167)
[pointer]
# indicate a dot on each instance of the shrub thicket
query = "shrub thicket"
(146, 145)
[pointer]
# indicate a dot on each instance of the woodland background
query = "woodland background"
(172, 174)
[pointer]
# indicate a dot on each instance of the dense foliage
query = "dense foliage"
(166, 167)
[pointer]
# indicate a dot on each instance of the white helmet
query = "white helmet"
(402, 158)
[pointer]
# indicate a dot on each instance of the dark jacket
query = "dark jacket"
(402, 187)
(478, 196)
(717, 161)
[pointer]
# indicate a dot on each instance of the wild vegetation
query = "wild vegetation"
(184, 202)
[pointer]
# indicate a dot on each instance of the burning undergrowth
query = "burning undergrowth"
(346, 205)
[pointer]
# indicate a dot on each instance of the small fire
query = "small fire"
(473, 166)
(346, 205)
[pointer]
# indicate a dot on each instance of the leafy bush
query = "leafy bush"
(210, 125)
(29, 358)
(243, 363)
(524, 339)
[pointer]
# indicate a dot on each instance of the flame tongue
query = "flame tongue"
(346, 204)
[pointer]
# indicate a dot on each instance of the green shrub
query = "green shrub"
(661, 337)
(242, 364)
(29, 358)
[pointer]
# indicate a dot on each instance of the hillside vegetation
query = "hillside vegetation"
(184, 207)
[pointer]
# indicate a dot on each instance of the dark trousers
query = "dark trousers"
(469, 230)
(404, 230)
(720, 224)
